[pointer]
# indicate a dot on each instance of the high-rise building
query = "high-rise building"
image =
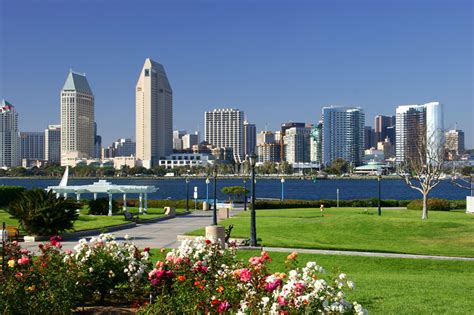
(284, 128)
(9, 136)
(455, 142)
(419, 128)
(224, 129)
(32, 145)
(343, 134)
(370, 140)
(97, 143)
(189, 140)
(77, 119)
(154, 114)
(178, 139)
(250, 138)
(297, 145)
(316, 143)
(268, 152)
(265, 137)
(52, 144)
(124, 147)
(381, 123)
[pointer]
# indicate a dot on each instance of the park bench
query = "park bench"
(10, 233)
(130, 216)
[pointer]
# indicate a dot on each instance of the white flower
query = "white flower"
(293, 274)
(91, 269)
(342, 276)
(126, 237)
(310, 264)
(350, 284)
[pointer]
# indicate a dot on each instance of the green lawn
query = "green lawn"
(89, 222)
(395, 285)
(400, 231)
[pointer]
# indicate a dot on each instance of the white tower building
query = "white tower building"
(224, 129)
(154, 114)
(77, 119)
(9, 136)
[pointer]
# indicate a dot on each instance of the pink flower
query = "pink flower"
(254, 260)
(273, 285)
(56, 240)
(223, 306)
(24, 260)
(18, 275)
(281, 300)
(24, 251)
(245, 275)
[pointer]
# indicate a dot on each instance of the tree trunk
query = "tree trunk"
(424, 216)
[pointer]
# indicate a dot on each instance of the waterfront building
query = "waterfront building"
(250, 138)
(9, 136)
(52, 144)
(419, 127)
(189, 140)
(268, 152)
(297, 144)
(186, 159)
(281, 136)
(154, 114)
(224, 129)
(381, 123)
(316, 143)
(454, 143)
(343, 134)
(370, 139)
(77, 118)
(32, 145)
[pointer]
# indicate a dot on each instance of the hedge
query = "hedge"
(9, 193)
(178, 204)
(101, 206)
(373, 202)
(437, 204)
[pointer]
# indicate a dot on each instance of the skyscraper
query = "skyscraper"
(9, 136)
(77, 119)
(52, 144)
(154, 114)
(297, 145)
(250, 138)
(224, 129)
(32, 145)
(381, 123)
(455, 142)
(284, 128)
(370, 140)
(343, 134)
(419, 127)
(317, 143)
(189, 140)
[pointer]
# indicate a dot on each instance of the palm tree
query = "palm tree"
(42, 213)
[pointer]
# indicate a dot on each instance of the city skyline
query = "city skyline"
(379, 63)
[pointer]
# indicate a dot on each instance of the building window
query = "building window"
(147, 72)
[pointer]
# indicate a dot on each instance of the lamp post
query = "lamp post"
(214, 213)
(207, 189)
(253, 228)
(379, 177)
(245, 193)
(187, 193)
(282, 180)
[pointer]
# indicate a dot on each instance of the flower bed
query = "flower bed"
(198, 277)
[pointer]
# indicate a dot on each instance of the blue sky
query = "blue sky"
(276, 60)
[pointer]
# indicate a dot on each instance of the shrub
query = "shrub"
(42, 213)
(101, 206)
(178, 204)
(433, 204)
(9, 194)
(201, 278)
(40, 285)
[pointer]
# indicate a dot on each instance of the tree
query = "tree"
(338, 167)
(285, 168)
(234, 192)
(42, 213)
(424, 164)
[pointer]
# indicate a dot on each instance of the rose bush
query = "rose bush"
(200, 277)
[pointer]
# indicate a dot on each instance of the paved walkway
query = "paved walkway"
(163, 234)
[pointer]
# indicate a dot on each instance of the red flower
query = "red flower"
(273, 285)
(208, 242)
(146, 249)
(215, 302)
(223, 306)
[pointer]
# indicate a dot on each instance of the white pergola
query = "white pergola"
(105, 187)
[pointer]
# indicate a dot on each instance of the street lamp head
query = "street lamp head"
(207, 181)
(253, 159)
(282, 180)
(187, 180)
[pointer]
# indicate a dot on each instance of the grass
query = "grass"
(394, 285)
(90, 222)
(399, 231)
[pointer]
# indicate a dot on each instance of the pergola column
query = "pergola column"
(78, 196)
(110, 205)
(146, 203)
(124, 202)
(140, 208)
(95, 196)
(65, 195)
